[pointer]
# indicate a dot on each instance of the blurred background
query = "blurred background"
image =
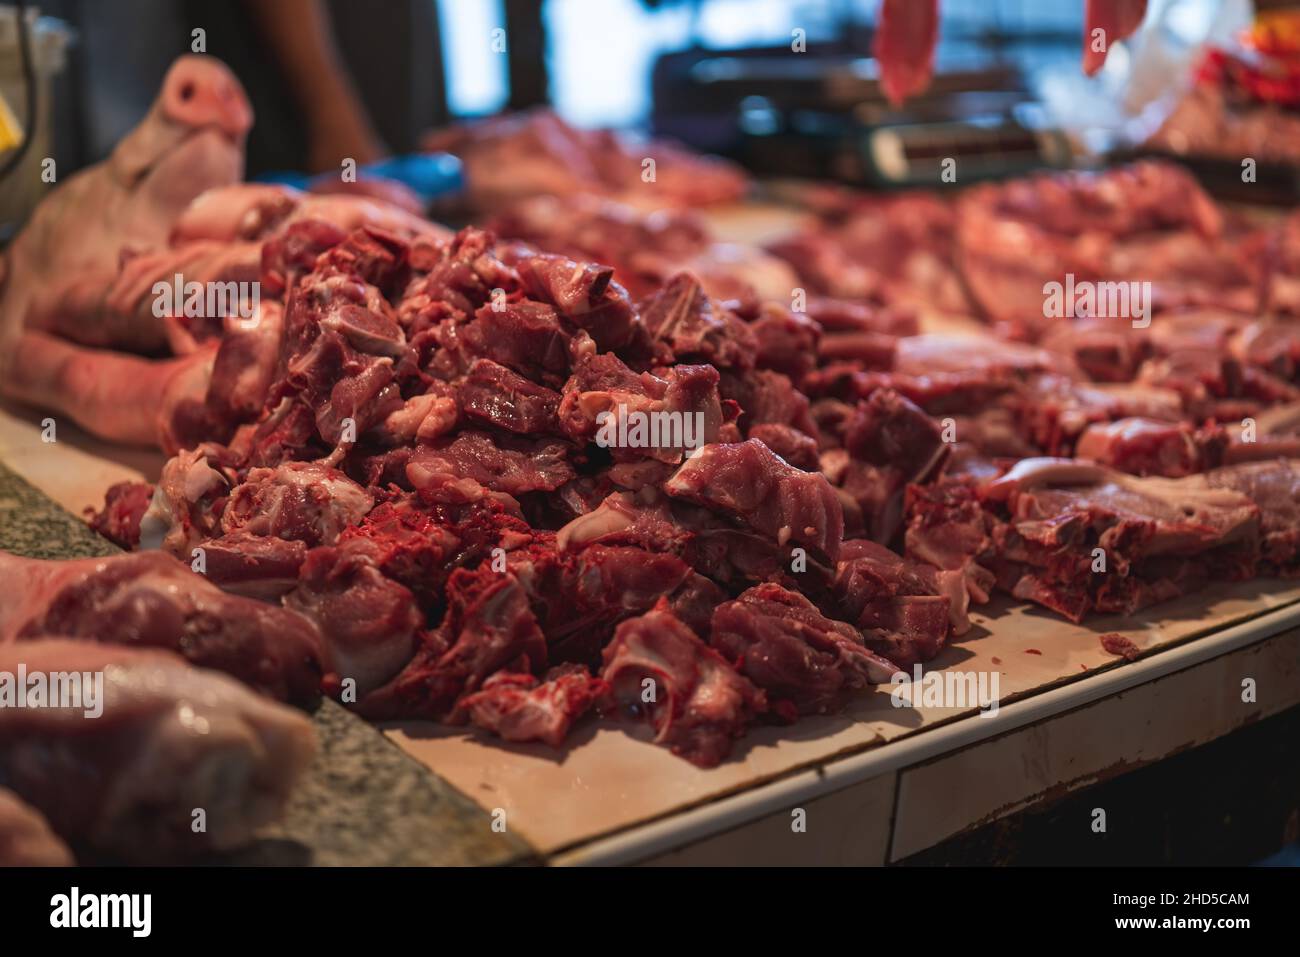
(1208, 80)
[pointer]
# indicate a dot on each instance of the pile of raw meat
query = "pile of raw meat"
(516, 156)
(406, 456)
(397, 486)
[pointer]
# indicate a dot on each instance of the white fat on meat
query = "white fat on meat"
(1189, 513)
(305, 501)
(175, 520)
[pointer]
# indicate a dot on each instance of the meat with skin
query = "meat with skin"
(79, 281)
(659, 671)
(63, 285)
(191, 140)
(170, 739)
(780, 641)
(25, 837)
(151, 600)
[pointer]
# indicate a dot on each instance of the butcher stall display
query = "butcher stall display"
(597, 474)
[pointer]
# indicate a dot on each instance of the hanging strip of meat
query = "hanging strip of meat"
(906, 32)
(1116, 19)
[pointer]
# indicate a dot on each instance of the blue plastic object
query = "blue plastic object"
(429, 174)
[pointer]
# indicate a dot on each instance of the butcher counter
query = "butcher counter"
(1078, 730)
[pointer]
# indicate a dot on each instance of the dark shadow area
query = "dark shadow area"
(1231, 802)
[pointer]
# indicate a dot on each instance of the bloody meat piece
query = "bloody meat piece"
(488, 627)
(495, 395)
(296, 501)
(1117, 644)
(906, 34)
(748, 480)
(779, 640)
(905, 609)
(1149, 447)
(124, 505)
(659, 670)
(1116, 19)
(511, 465)
(517, 707)
(1158, 537)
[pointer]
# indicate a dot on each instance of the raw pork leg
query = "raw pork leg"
(149, 599)
(171, 740)
(25, 837)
